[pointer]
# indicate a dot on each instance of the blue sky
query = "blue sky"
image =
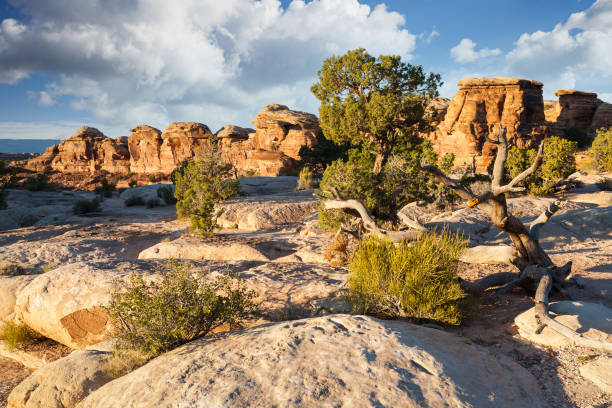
(114, 64)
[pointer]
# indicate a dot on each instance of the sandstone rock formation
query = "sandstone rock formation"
(480, 105)
(145, 144)
(340, 360)
(280, 129)
(577, 109)
(87, 151)
(182, 141)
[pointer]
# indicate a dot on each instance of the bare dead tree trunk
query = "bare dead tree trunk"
(533, 262)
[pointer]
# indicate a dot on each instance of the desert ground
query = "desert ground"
(270, 236)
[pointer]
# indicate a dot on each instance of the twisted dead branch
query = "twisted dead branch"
(536, 269)
(534, 264)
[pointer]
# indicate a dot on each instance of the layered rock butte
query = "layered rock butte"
(462, 126)
(271, 149)
(481, 104)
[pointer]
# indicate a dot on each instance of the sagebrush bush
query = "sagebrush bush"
(17, 336)
(305, 181)
(166, 193)
(156, 317)
(86, 206)
(415, 279)
(201, 184)
(11, 269)
(133, 183)
(601, 150)
(557, 164)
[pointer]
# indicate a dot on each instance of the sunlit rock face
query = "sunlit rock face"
(577, 109)
(480, 105)
(87, 151)
(145, 144)
(278, 128)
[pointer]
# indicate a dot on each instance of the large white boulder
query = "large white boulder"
(339, 360)
(64, 382)
(10, 287)
(66, 304)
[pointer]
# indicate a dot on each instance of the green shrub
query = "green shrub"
(86, 206)
(416, 279)
(166, 193)
(17, 336)
(199, 186)
(577, 135)
(322, 154)
(6, 183)
(605, 184)
(557, 164)
(601, 150)
(11, 270)
(133, 183)
(305, 182)
(153, 202)
(37, 183)
(156, 317)
(134, 200)
(106, 189)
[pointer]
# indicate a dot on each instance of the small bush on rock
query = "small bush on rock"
(133, 183)
(134, 200)
(86, 206)
(156, 317)
(39, 182)
(601, 150)
(415, 279)
(199, 186)
(17, 336)
(106, 189)
(153, 202)
(305, 181)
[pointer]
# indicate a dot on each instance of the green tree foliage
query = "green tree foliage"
(106, 188)
(322, 154)
(201, 184)
(377, 103)
(416, 279)
(557, 164)
(601, 150)
(155, 317)
(166, 193)
(400, 183)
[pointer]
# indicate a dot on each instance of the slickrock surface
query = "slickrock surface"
(480, 105)
(64, 382)
(340, 360)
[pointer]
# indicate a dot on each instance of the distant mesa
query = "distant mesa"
(461, 126)
(271, 149)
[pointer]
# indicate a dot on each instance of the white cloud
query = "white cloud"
(38, 130)
(465, 51)
(574, 54)
(155, 61)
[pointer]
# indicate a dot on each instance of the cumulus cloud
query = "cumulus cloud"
(156, 61)
(575, 53)
(466, 51)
